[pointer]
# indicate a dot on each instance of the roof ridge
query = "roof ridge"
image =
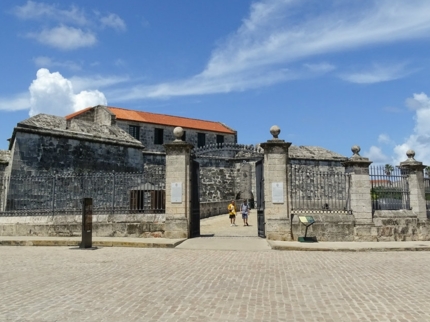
(183, 117)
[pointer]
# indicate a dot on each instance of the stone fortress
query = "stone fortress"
(105, 139)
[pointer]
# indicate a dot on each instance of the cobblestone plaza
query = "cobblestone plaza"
(131, 284)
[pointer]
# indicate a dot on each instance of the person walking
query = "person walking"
(232, 213)
(244, 209)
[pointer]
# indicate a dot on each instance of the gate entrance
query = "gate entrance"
(222, 173)
(195, 200)
(260, 199)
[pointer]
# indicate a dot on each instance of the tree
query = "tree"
(388, 169)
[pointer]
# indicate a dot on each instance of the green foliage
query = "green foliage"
(386, 192)
(388, 169)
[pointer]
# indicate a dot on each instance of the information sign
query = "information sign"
(176, 192)
(277, 192)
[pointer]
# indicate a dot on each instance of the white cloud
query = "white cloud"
(16, 103)
(114, 21)
(320, 68)
(120, 62)
(419, 140)
(376, 155)
(200, 85)
(277, 33)
(66, 38)
(88, 98)
(270, 36)
(384, 138)
(69, 35)
(392, 109)
(418, 101)
(378, 73)
(52, 94)
(38, 11)
(96, 82)
(46, 62)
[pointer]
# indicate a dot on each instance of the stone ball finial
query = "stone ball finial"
(411, 155)
(178, 132)
(275, 130)
(355, 150)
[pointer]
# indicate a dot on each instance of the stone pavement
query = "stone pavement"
(227, 275)
(146, 284)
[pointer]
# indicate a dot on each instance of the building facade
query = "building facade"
(154, 130)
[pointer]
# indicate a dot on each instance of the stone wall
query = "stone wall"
(147, 135)
(133, 225)
(155, 158)
(388, 225)
(209, 209)
(37, 154)
(216, 184)
(62, 194)
(99, 114)
(394, 225)
(5, 169)
(4, 161)
(327, 227)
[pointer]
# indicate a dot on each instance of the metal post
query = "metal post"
(87, 223)
(53, 194)
(113, 192)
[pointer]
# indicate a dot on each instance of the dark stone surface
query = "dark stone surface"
(37, 154)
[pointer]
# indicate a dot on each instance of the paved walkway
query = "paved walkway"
(230, 276)
(219, 226)
(46, 284)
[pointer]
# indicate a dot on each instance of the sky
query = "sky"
(333, 73)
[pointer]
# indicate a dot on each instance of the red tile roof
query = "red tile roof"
(162, 119)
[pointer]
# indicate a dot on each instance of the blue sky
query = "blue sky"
(331, 73)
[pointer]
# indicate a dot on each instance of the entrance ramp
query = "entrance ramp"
(226, 243)
(216, 233)
(220, 226)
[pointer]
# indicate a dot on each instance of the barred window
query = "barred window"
(201, 139)
(134, 131)
(220, 139)
(158, 136)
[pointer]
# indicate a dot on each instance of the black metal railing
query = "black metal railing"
(311, 189)
(427, 194)
(390, 188)
(62, 194)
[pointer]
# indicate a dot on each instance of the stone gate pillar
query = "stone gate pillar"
(276, 209)
(177, 187)
(417, 197)
(359, 187)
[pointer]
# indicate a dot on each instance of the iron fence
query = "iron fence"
(315, 190)
(62, 194)
(427, 194)
(390, 188)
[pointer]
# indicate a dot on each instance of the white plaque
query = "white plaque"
(177, 192)
(277, 192)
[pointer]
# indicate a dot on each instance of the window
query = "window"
(149, 201)
(184, 136)
(220, 139)
(158, 136)
(134, 131)
(201, 139)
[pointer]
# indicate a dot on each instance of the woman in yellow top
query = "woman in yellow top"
(232, 213)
